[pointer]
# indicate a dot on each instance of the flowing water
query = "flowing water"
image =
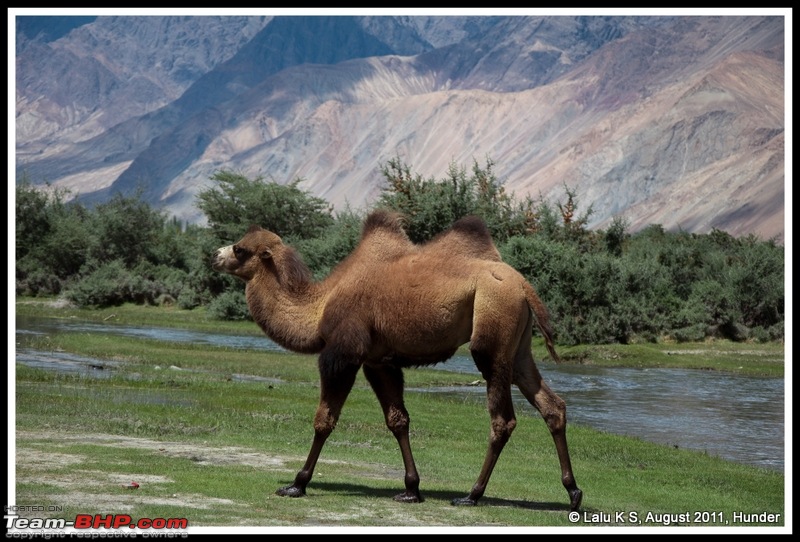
(740, 418)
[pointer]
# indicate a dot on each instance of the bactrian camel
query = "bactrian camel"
(393, 304)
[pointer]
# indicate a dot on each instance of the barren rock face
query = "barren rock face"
(671, 120)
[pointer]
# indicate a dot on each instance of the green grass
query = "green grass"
(212, 449)
(136, 315)
(753, 359)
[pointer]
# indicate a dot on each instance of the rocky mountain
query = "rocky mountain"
(671, 120)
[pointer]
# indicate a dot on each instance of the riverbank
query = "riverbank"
(754, 359)
(209, 433)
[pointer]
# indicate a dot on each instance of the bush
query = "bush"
(190, 299)
(759, 334)
(167, 280)
(101, 288)
(198, 245)
(694, 333)
(756, 277)
(323, 253)
(38, 282)
(112, 284)
(776, 332)
(230, 305)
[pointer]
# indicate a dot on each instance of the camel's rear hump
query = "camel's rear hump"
(468, 237)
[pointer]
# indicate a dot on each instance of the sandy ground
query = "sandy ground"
(36, 462)
(88, 489)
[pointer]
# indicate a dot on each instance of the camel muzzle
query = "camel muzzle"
(219, 259)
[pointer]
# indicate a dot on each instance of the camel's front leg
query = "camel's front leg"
(334, 389)
(387, 382)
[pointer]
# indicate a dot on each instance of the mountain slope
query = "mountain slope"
(114, 69)
(677, 121)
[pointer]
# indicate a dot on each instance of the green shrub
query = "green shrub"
(323, 253)
(230, 305)
(37, 282)
(105, 286)
(190, 299)
(113, 284)
(776, 332)
(166, 279)
(694, 333)
(759, 334)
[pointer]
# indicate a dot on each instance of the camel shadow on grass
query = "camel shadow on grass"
(429, 495)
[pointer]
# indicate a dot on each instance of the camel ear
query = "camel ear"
(265, 254)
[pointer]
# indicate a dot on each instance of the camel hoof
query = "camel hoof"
(465, 501)
(575, 498)
(408, 497)
(291, 491)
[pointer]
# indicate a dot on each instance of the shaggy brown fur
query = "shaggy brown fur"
(393, 304)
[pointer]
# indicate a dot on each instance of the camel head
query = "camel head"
(253, 252)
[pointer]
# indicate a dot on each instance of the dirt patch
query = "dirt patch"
(34, 458)
(73, 489)
(204, 455)
(76, 488)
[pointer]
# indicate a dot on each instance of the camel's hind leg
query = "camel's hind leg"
(334, 389)
(387, 381)
(501, 412)
(552, 408)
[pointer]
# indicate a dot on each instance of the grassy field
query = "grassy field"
(209, 434)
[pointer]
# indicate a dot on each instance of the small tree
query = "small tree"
(323, 253)
(238, 202)
(574, 227)
(32, 214)
(125, 228)
(616, 235)
(431, 206)
(51, 238)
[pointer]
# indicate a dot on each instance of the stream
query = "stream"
(736, 417)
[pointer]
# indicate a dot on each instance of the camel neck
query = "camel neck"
(290, 317)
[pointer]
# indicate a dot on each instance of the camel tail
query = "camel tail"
(542, 318)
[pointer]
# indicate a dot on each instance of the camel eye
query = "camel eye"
(239, 252)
